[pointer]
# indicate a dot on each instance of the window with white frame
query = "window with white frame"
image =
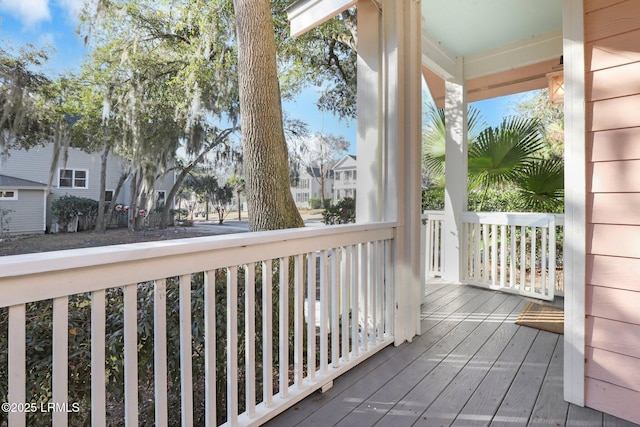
(337, 176)
(72, 178)
(8, 194)
(161, 197)
(302, 197)
(303, 183)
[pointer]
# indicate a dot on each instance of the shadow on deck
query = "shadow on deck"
(472, 366)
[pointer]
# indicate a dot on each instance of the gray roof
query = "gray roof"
(12, 182)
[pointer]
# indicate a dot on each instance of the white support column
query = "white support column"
(389, 141)
(368, 140)
(575, 201)
(456, 150)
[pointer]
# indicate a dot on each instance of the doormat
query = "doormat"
(546, 317)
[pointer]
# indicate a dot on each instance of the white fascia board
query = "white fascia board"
(519, 54)
(437, 58)
(305, 15)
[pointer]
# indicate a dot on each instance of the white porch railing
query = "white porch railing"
(433, 227)
(516, 252)
(253, 323)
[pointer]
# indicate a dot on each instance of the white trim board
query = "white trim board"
(575, 202)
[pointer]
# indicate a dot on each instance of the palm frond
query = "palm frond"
(540, 185)
(499, 154)
(434, 138)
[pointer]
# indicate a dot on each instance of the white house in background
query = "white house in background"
(309, 187)
(344, 178)
(24, 176)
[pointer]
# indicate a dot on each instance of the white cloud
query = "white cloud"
(72, 7)
(46, 39)
(30, 12)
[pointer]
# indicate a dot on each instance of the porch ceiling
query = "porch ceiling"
(506, 46)
(503, 44)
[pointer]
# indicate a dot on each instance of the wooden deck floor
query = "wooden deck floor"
(472, 366)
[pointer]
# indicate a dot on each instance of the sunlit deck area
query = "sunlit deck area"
(472, 366)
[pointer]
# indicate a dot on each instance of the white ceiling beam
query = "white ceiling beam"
(437, 58)
(519, 54)
(307, 14)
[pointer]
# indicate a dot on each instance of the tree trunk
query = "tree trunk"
(166, 211)
(266, 160)
(100, 221)
(135, 189)
(116, 194)
(239, 207)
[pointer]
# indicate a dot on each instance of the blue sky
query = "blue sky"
(53, 23)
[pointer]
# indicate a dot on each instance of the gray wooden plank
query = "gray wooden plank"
(415, 402)
(334, 411)
(481, 407)
(364, 395)
(517, 406)
(550, 408)
(433, 312)
(304, 408)
(583, 417)
(376, 406)
(448, 404)
(437, 286)
(611, 421)
(402, 356)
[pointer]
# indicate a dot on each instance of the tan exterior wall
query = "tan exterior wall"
(612, 60)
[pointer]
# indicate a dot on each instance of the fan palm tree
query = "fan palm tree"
(505, 156)
(540, 186)
(500, 155)
(433, 140)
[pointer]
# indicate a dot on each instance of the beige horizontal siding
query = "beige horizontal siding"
(612, 85)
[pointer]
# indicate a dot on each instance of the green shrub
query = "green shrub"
(342, 213)
(433, 199)
(492, 201)
(315, 203)
(66, 208)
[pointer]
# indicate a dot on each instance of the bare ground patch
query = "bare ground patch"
(88, 239)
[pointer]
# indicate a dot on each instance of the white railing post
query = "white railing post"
(311, 315)
(17, 364)
(298, 321)
(210, 400)
(425, 250)
(232, 345)
(249, 336)
(60, 376)
(131, 355)
(98, 377)
(160, 351)
(267, 332)
(283, 271)
(186, 369)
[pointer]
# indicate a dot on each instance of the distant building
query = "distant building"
(344, 178)
(24, 177)
(309, 186)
